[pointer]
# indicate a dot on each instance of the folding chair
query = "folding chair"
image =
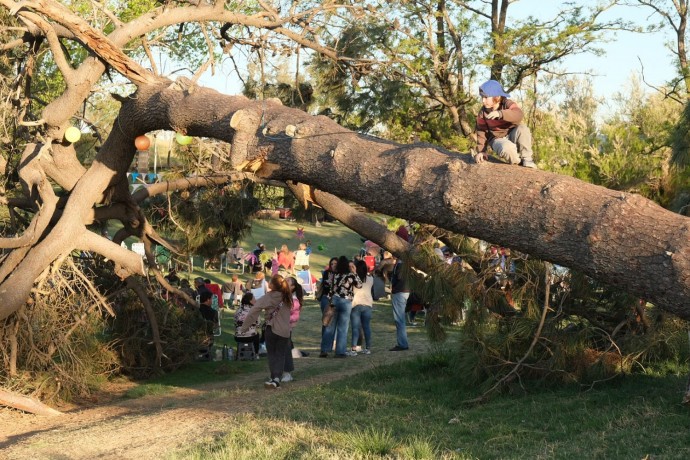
(305, 279)
(301, 260)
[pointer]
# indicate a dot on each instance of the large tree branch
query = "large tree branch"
(621, 238)
(358, 221)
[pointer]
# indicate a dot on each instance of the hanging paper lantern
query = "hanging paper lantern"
(142, 142)
(182, 139)
(72, 134)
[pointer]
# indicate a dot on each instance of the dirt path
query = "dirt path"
(153, 426)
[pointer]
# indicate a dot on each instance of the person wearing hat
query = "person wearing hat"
(499, 127)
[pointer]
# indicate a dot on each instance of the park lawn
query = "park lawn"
(416, 408)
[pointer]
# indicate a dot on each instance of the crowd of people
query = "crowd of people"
(347, 290)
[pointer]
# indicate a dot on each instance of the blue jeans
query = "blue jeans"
(361, 315)
(338, 327)
(399, 301)
(323, 303)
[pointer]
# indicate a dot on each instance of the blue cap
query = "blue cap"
(492, 88)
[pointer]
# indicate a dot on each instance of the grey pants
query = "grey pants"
(517, 146)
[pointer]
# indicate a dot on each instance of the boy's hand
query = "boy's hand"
(480, 157)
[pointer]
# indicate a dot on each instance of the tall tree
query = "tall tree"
(420, 60)
(674, 14)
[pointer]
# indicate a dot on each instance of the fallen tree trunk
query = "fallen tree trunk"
(26, 404)
(622, 239)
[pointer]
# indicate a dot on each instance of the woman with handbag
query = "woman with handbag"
(322, 296)
(278, 305)
(340, 296)
(361, 311)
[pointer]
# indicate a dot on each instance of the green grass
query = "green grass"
(416, 408)
(402, 411)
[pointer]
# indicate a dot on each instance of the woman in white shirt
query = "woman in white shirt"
(361, 311)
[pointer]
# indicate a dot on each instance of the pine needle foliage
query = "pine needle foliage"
(55, 349)
(182, 334)
(591, 331)
(205, 220)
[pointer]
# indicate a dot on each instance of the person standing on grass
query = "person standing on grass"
(399, 295)
(278, 305)
(361, 311)
(341, 294)
(297, 302)
(327, 277)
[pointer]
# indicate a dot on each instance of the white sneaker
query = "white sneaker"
(272, 384)
(528, 164)
(365, 351)
(351, 353)
(287, 377)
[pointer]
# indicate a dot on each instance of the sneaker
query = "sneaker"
(365, 351)
(351, 353)
(323, 354)
(272, 384)
(397, 348)
(287, 377)
(528, 164)
(341, 356)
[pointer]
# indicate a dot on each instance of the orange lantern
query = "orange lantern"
(142, 142)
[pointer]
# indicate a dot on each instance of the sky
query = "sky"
(624, 54)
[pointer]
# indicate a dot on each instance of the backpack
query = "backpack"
(378, 288)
